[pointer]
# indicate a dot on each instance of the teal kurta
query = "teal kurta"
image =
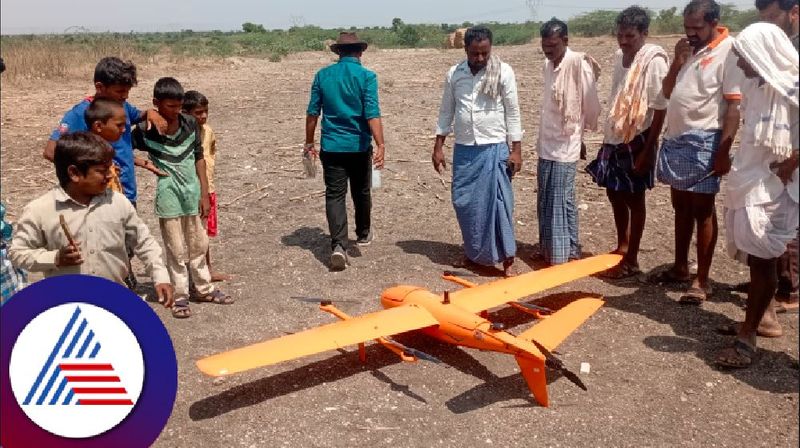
(346, 94)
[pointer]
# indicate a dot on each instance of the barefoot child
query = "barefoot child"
(196, 105)
(100, 220)
(181, 197)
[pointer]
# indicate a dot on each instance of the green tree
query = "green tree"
(595, 23)
(397, 24)
(248, 27)
(668, 21)
(409, 36)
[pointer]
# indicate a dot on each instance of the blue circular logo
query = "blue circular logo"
(84, 362)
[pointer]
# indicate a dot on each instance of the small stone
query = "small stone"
(585, 367)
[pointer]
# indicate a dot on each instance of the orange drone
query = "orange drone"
(450, 317)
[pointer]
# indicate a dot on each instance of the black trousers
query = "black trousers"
(338, 168)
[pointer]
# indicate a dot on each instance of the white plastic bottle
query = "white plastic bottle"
(376, 178)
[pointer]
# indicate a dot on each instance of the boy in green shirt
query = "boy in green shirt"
(181, 197)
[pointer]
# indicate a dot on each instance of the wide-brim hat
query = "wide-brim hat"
(348, 39)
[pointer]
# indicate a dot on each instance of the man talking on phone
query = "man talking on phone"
(479, 105)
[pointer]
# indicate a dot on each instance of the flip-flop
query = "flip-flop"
(667, 278)
(217, 296)
(732, 329)
(621, 272)
(181, 310)
(694, 296)
(786, 307)
(739, 356)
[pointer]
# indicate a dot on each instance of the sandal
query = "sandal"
(667, 277)
(181, 310)
(732, 329)
(786, 307)
(694, 296)
(217, 296)
(740, 356)
(621, 271)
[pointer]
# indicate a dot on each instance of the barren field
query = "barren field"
(652, 380)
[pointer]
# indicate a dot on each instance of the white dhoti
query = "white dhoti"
(761, 230)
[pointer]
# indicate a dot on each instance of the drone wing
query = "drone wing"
(327, 337)
(490, 295)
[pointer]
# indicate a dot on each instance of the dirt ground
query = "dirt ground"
(652, 380)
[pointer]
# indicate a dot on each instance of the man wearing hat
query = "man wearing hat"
(346, 94)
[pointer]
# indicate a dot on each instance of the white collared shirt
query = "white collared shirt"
(102, 228)
(555, 143)
(474, 117)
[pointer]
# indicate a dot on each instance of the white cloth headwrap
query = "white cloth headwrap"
(770, 52)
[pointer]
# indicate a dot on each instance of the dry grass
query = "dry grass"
(59, 57)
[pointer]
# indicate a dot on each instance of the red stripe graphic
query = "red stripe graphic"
(89, 367)
(105, 402)
(100, 390)
(93, 379)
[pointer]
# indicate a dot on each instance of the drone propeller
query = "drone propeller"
(532, 307)
(414, 352)
(550, 360)
(459, 274)
(322, 301)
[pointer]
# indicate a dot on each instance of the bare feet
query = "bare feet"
(620, 250)
(508, 268)
(769, 330)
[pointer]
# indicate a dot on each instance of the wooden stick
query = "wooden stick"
(244, 195)
(66, 230)
(308, 195)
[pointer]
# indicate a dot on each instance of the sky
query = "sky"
(51, 16)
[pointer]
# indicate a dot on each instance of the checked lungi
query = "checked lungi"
(484, 202)
(557, 211)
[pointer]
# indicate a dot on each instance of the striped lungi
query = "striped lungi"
(557, 211)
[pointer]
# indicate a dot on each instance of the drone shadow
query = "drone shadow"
(346, 364)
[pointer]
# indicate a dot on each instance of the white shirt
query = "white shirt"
(751, 181)
(656, 71)
(474, 117)
(705, 84)
(555, 143)
(102, 228)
